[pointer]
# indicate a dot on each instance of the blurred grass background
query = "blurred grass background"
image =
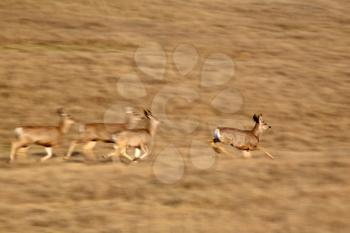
(291, 62)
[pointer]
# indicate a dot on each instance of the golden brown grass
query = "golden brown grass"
(291, 65)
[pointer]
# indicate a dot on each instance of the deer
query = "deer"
(47, 136)
(136, 138)
(244, 140)
(91, 133)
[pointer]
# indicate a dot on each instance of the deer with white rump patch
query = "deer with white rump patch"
(136, 138)
(47, 136)
(91, 133)
(244, 140)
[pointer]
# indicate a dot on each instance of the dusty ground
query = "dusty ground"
(291, 60)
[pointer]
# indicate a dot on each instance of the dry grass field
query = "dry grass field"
(291, 64)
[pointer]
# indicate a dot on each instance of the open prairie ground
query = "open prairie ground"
(291, 63)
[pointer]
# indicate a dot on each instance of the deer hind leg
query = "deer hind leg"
(267, 153)
(218, 149)
(115, 153)
(145, 150)
(14, 147)
(48, 154)
(24, 151)
(123, 152)
(88, 150)
(73, 145)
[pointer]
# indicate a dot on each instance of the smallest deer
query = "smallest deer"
(136, 138)
(245, 140)
(47, 136)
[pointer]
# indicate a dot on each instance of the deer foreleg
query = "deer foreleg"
(49, 154)
(218, 148)
(267, 153)
(71, 149)
(123, 152)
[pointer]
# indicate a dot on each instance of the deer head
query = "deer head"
(260, 125)
(132, 117)
(66, 120)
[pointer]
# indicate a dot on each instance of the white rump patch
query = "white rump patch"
(18, 131)
(137, 153)
(217, 134)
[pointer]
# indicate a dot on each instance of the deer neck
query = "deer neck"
(256, 131)
(130, 122)
(64, 126)
(153, 125)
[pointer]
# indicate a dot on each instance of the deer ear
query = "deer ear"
(60, 112)
(146, 113)
(256, 118)
(260, 117)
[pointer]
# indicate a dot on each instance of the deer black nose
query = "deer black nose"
(270, 127)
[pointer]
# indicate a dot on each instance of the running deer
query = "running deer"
(245, 140)
(91, 133)
(136, 138)
(47, 136)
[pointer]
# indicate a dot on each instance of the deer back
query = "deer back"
(39, 134)
(238, 138)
